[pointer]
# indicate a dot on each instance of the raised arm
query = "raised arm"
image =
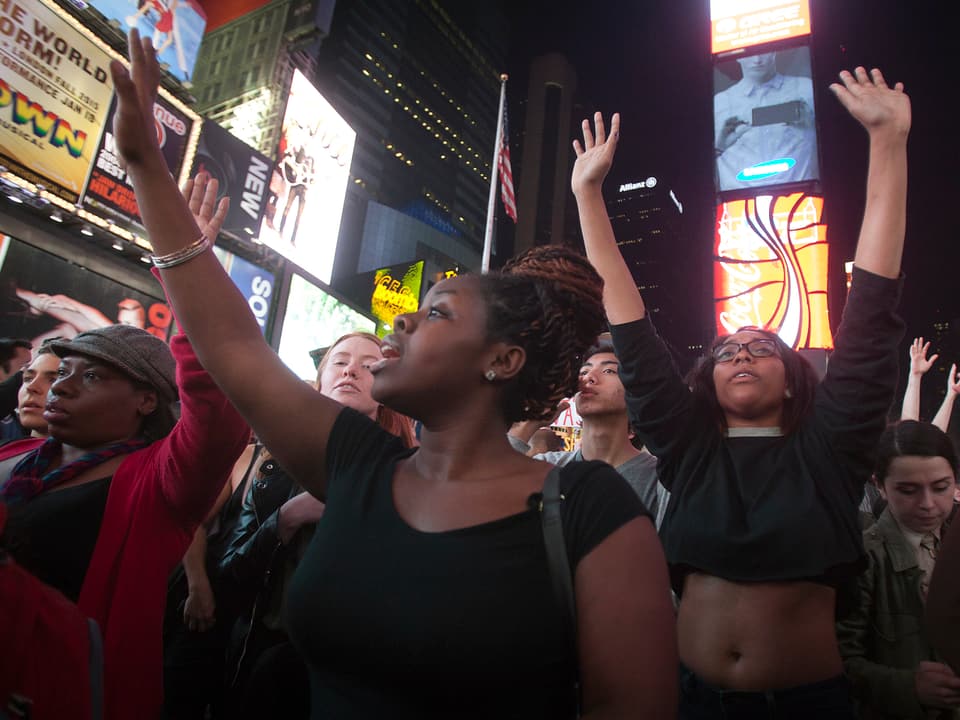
(884, 112)
(856, 394)
(942, 418)
(657, 398)
(621, 299)
(212, 311)
(919, 365)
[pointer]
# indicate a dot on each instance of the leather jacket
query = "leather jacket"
(252, 556)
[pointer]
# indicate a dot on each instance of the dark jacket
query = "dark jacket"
(253, 556)
(882, 642)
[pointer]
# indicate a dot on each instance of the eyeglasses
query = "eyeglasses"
(761, 348)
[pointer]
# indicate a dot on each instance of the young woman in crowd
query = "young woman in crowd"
(887, 655)
(104, 508)
(264, 673)
(765, 468)
(426, 592)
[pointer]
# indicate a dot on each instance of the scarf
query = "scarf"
(30, 476)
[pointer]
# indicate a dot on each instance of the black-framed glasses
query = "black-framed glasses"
(759, 348)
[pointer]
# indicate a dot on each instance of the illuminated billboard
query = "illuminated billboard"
(243, 175)
(764, 124)
(175, 26)
(307, 190)
(396, 290)
(55, 89)
(253, 281)
(46, 296)
(314, 319)
(109, 188)
(770, 268)
(738, 24)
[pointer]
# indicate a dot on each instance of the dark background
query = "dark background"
(650, 61)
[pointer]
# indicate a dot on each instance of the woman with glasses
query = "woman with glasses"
(766, 467)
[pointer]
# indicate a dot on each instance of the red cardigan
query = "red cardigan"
(158, 497)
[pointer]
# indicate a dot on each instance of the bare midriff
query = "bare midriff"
(758, 636)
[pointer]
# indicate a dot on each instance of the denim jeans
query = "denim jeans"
(824, 700)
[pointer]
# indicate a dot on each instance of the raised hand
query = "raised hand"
(200, 193)
(953, 381)
(133, 125)
(875, 105)
(919, 363)
(595, 155)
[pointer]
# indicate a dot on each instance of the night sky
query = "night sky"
(650, 60)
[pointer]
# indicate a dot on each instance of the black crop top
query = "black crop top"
(769, 508)
(398, 623)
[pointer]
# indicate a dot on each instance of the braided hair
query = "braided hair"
(549, 301)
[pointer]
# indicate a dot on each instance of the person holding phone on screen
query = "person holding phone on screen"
(765, 116)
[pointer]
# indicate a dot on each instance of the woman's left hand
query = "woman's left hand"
(134, 130)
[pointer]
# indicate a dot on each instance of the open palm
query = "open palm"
(595, 155)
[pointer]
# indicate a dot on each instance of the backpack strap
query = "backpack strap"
(558, 562)
(96, 670)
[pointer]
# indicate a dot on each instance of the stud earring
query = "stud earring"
(490, 375)
(788, 393)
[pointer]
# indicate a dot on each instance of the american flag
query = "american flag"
(506, 171)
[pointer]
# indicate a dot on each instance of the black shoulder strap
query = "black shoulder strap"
(557, 561)
(557, 548)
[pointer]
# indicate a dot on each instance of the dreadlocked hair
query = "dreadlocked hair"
(549, 301)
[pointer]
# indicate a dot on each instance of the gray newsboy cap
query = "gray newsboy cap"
(144, 357)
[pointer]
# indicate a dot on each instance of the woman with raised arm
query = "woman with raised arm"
(920, 364)
(765, 468)
(425, 591)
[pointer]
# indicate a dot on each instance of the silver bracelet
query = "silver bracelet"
(178, 257)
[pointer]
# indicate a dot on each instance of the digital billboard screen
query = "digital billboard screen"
(256, 284)
(764, 122)
(243, 175)
(45, 296)
(743, 23)
(396, 290)
(109, 188)
(307, 190)
(770, 268)
(175, 26)
(55, 90)
(314, 319)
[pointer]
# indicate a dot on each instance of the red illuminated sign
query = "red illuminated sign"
(770, 268)
(742, 23)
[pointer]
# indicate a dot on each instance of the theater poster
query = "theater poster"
(109, 188)
(243, 175)
(55, 90)
(307, 190)
(175, 26)
(44, 296)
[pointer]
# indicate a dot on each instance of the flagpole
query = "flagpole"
(494, 178)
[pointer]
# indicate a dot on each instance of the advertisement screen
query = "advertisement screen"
(770, 268)
(254, 282)
(764, 124)
(55, 88)
(175, 26)
(43, 296)
(243, 173)
(742, 23)
(396, 290)
(307, 190)
(314, 319)
(109, 187)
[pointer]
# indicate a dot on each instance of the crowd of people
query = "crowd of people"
(248, 545)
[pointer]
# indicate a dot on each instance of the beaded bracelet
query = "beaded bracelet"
(178, 257)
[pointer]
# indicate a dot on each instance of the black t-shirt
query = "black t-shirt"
(398, 623)
(54, 533)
